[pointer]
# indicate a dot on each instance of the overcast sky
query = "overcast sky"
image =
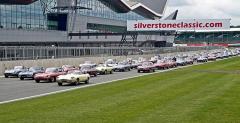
(206, 9)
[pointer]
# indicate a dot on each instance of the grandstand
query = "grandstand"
(224, 37)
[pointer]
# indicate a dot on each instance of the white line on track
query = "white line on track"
(91, 85)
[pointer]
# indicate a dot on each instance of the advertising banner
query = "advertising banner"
(188, 25)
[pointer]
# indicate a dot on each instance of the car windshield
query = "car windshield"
(76, 72)
(18, 67)
(122, 63)
(179, 59)
(146, 64)
(35, 68)
(110, 61)
(67, 66)
(101, 65)
(51, 70)
(160, 61)
(87, 67)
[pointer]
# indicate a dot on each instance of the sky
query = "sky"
(206, 9)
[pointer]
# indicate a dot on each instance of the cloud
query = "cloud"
(206, 9)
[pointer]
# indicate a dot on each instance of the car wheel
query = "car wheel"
(60, 84)
(87, 81)
(6, 76)
(139, 71)
(50, 80)
(21, 78)
(54, 79)
(111, 72)
(37, 81)
(77, 82)
(153, 70)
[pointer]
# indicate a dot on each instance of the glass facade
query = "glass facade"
(22, 16)
(101, 10)
(31, 16)
(105, 28)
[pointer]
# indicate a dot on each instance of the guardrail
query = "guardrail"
(30, 53)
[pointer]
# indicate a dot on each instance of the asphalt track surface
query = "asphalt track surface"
(13, 88)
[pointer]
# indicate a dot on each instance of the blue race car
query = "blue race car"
(30, 72)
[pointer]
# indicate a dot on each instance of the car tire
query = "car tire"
(60, 84)
(6, 76)
(77, 82)
(50, 80)
(139, 71)
(111, 72)
(21, 78)
(87, 81)
(37, 81)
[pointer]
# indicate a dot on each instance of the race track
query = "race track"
(13, 88)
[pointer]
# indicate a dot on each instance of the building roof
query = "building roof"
(152, 10)
(172, 16)
(20, 2)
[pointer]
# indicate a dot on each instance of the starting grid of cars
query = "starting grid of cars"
(74, 75)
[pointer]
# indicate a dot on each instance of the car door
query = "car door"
(81, 77)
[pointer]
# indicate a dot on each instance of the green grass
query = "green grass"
(185, 96)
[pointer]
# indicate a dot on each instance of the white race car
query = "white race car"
(74, 77)
(104, 69)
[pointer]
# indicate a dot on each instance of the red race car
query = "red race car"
(49, 75)
(67, 68)
(90, 69)
(146, 67)
(162, 64)
(172, 63)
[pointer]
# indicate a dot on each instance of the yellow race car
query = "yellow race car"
(73, 77)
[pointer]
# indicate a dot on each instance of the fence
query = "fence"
(30, 53)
